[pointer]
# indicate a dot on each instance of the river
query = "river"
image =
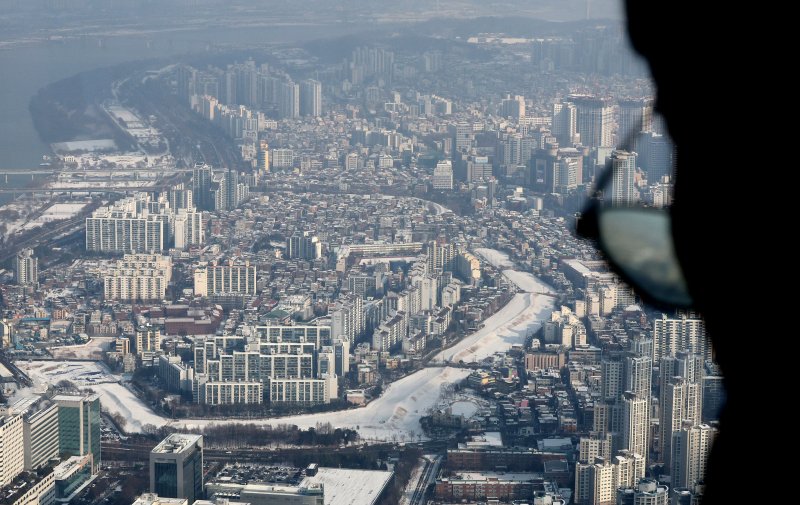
(26, 68)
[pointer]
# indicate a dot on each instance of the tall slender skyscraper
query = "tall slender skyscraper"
(635, 436)
(638, 375)
(595, 117)
(26, 268)
(565, 123)
(635, 116)
(680, 402)
(289, 101)
(12, 460)
(262, 164)
(311, 98)
(690, 449)
(79, 426)
(623, 189)
(201, 187)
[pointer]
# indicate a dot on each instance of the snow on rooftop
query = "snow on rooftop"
(345, 486)
(506, 476)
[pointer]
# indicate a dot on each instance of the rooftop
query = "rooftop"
(499, 476)
(177, 443)
(75, 398)
(23, 483)
(345, 486)
(154, 499)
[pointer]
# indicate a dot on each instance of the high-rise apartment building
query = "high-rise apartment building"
(656, 156)
(685, 333)
(176, 467)
(443, 176)
(79, 426)
(638, 375)
(138, 277)
(289, 102)
(596, 482)
(262, 160)
(565, 123)
(201, 187)
(513, 107)
(635, 116)
(189, 229)
(12, 459)
(146, 339)
(623, 178)
(680, 402)
(690, 449)
(180, 198)
(347, 320)
(311, 98)
(230, 278)
(303, 246)
(26, 268)
(635, 424)
(462, 135)
(127, 226)
(594, 120)
(40, 431)
(303, 391)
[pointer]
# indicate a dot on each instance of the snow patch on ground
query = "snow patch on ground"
(464, 408)
(114, 396)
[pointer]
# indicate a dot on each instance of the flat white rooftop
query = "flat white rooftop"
(177, 442)
(344, 486)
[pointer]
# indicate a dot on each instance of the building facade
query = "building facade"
(176, 467)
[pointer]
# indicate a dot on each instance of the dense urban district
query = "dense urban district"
(345, 273)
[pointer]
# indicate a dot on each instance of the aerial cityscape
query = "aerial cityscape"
(337, 263)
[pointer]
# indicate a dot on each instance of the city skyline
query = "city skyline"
(292, 271)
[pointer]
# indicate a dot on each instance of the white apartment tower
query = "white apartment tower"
(623, 177)
(12, 457)
(635, 425)
(680, 334)
(26, 268)
(594, 120)
(443, 175)
(690, 448)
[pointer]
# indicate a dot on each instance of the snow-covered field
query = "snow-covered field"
(464, 408)
(393, 416)
(114, 397)
(91, 350)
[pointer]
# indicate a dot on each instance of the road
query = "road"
(431, 464)
(66, 227)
